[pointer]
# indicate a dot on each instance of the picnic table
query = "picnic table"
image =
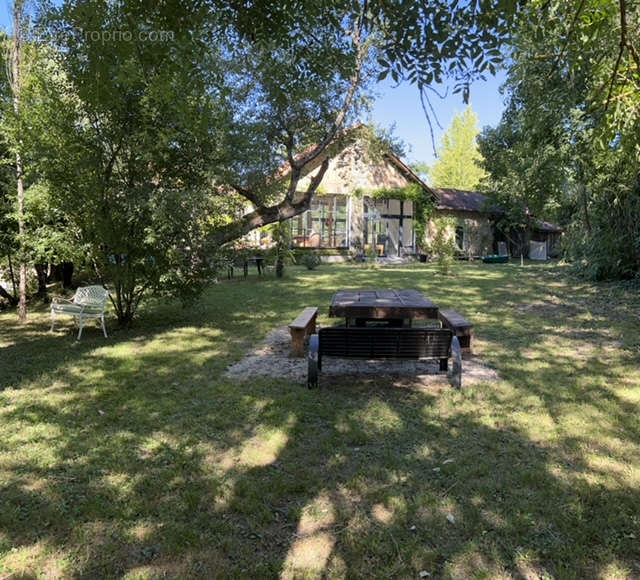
(258, 261)
(392, 307)
(378, 326)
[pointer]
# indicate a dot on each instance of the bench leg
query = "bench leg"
(466, 344)
(297, 342)
(53, 319)
(312, 362)
(456, 370)
(80, 324)
(444, 364)
(103, 327)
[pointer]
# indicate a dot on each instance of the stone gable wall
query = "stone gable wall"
(352, 170)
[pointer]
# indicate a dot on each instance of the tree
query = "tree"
(16, 90)
(8, 225)
(32, 227)
(458, 163)
(166, 142)
(567, 144)
(50, 240)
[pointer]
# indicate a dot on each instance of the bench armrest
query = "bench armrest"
(60, 300)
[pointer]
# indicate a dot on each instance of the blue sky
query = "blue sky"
(402, 106)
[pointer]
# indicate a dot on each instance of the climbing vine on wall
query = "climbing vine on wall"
(423, 205)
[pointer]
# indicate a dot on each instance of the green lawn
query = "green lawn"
(132, 456)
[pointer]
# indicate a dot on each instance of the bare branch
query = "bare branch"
(625, 42)
(248, 195)
(266, 215)
(624, 36)
(317, 178)
(615, 72)
(295, 170)
(428, 118)
(572, 26)
(342, 113)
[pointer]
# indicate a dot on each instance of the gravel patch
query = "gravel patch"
(271, 359)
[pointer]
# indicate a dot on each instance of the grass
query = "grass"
(133, 457)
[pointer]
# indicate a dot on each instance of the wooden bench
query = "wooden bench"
(460, 327)
(302, 326)
(384, 343)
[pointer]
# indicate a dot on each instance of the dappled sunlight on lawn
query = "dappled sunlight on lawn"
(263, 448)
(132, 457)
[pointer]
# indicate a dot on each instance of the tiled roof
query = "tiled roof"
(456, 199)
(473, 201)
(543, 226)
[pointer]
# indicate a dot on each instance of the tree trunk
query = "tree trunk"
(12, 300)
(585, 207)
(16, 55)
(41, 271)
(280, 263)
(66, 270)
(12, 274)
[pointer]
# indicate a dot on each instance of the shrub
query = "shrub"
(443, 245)
(311, 260)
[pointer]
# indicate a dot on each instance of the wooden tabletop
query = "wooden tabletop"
(383, 304)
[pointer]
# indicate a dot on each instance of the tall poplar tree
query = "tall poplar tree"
(458, 155)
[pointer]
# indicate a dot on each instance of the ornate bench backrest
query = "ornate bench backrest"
(91, 296)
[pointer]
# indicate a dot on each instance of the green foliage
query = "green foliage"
(424, 210)
(457, 41)
(130, 133)
(282, 254)
(610, 247)
(311, 260)
(379, 141)
(126, 144)
(567, 145)
(49, 238)
(423, 205)
(371, 255)
(411, 192)
(445, 40)
(442, 244)
(458, 164)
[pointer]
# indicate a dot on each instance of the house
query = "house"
(367, 201)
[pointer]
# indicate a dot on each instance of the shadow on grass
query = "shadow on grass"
(136, 458)
(365, 481)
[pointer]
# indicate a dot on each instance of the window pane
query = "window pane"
(323, 225)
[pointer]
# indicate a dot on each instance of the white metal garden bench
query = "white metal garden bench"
(87, 302)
